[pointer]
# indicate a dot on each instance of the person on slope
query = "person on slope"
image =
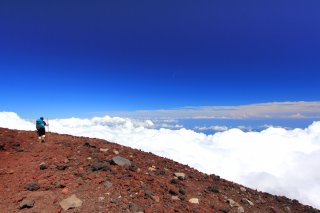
(40, 125)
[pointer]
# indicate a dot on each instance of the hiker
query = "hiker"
(40, 125)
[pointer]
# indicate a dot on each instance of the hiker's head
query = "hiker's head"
(41, 118)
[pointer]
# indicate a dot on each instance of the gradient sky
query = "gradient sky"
(75, 58)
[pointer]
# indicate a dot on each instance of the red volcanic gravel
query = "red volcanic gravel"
(37, 178)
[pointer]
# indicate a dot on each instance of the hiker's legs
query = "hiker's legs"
(42, 134)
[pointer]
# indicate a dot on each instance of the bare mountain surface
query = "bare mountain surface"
(78, 174)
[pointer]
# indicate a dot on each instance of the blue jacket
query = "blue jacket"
(40, 123)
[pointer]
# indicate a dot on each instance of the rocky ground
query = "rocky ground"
(77, 174)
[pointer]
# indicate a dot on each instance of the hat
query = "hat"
(41, 118)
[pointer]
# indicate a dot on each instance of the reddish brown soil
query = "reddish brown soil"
(148, 185)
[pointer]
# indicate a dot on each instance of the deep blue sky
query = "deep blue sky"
(73, 58)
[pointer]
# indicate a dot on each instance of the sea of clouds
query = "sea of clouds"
(275, 160)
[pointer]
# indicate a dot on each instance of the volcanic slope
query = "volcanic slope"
(87, 175)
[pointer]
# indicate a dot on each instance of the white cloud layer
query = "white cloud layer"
(289, 110)
(275, 160)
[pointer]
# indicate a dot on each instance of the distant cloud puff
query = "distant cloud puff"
(276, 160)
(214, 128)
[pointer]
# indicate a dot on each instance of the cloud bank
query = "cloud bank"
(283, 110)
(275, 160)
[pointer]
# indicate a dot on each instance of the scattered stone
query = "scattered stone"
(70, 202)
(32, 186)
(43, 166)
(100, 165)
(107, 184)
(175, 198)
(89, 144)
(148, 193)
(121, 161)
(115, 200)
(180, 175)
(116, 152)
(58, 184)
(240, 209)
(243, 189)
(152, 168)
(26, 203)
(194, 200)
(246, 201)
(233, 203)
(104, 150)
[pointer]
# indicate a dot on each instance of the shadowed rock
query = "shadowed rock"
(100, 165)
(121, 161)
(32, 186)
(26, 203)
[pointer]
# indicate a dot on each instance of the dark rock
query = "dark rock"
(2, 147)
(89, 144)
(213, 189)
(181, 178)
(43, 166)
(182, 191)
(215, 177)
(121, 161)
(160, 172)
(32, 186)
(100, 165)
(62, 166)
(174, 181)
(19, 149)
(294, 201)
(148, 193)
(26, 203)
(224, 210)
(172, 192)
